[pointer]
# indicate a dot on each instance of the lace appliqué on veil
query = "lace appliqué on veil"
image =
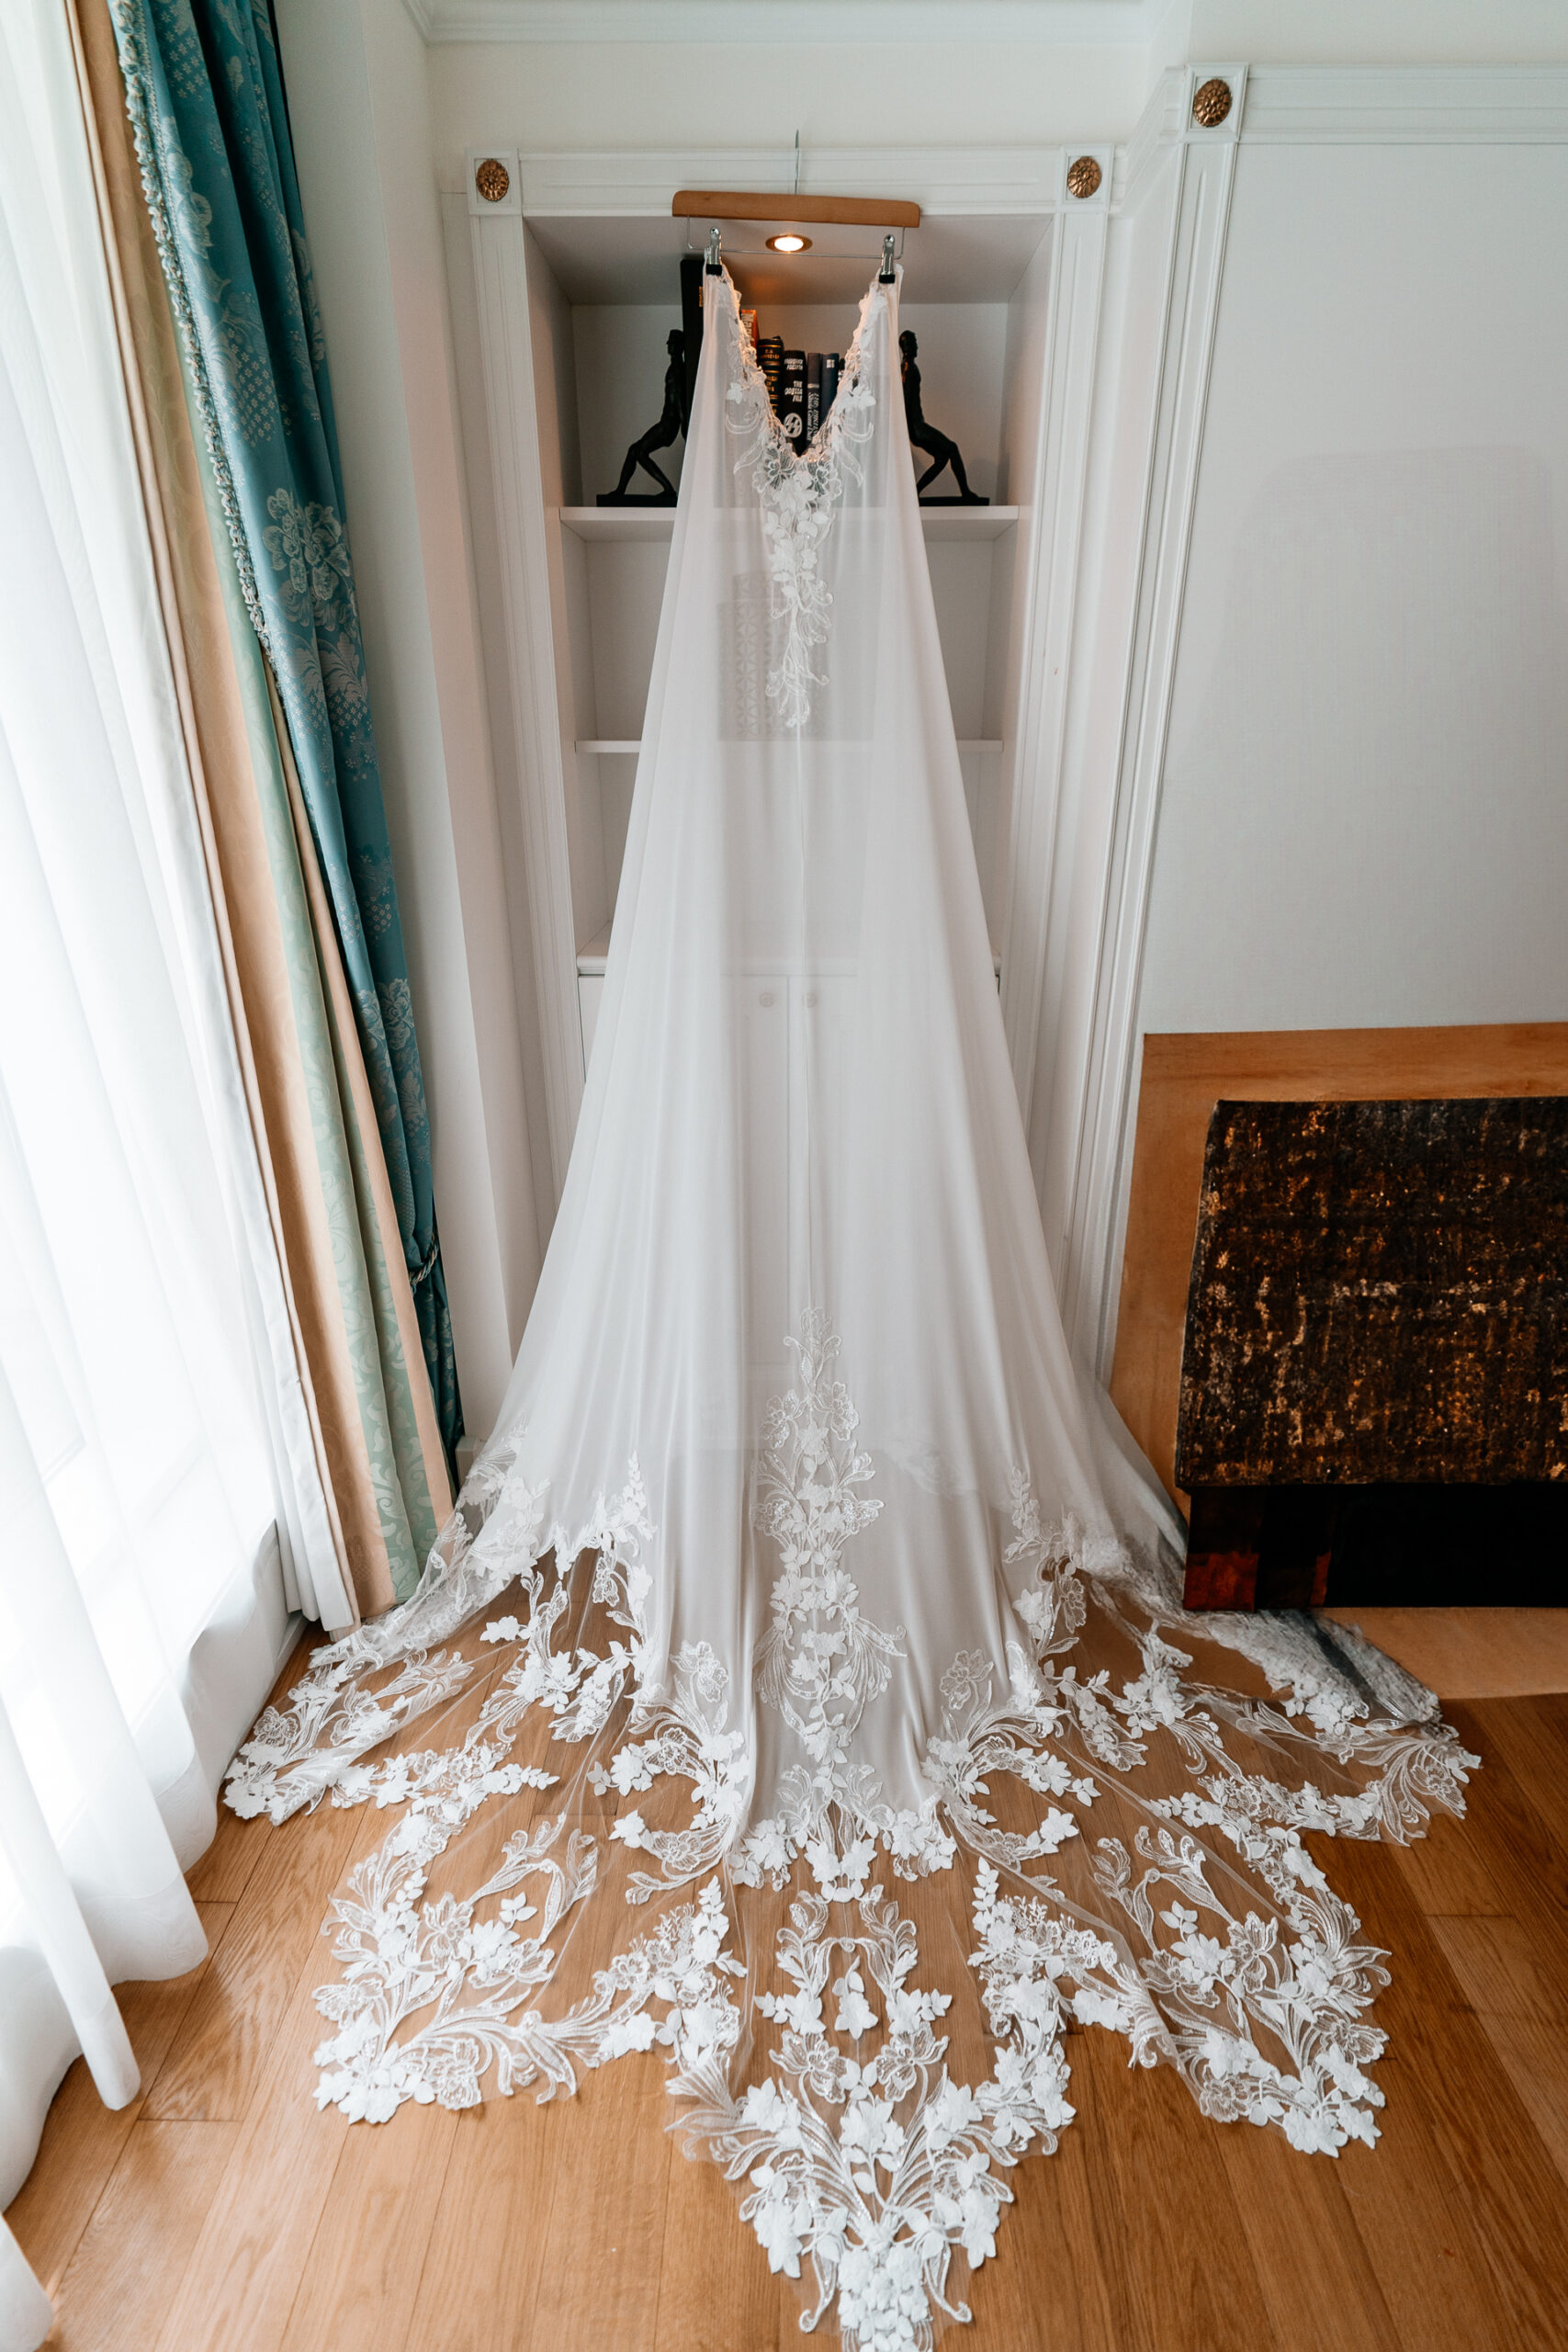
(863, 2162)
(797, 495)
(821, 1662)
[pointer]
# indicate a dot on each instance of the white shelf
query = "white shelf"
(617, 522)
(590, 956)
(631, 523)
(626, 748)
(966, 522)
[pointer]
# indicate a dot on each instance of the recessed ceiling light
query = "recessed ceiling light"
(792, 243)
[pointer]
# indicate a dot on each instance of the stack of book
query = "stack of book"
(808, 385)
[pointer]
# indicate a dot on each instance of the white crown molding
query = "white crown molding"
(624, 185)
(1332, 106)
(941, 180)
(1418, 104)
(1094, 24)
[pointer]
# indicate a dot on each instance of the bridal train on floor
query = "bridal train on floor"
(801, 1690)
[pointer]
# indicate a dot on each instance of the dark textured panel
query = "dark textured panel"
(1261, 1547)
(1395, 1545)
(1379, 1291)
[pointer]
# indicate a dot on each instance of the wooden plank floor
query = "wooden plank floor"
(221, 2213)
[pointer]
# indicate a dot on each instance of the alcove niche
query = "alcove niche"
(575, 307)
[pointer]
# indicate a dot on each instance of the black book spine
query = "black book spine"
(813, 393)
(832, 367)
(792, 396)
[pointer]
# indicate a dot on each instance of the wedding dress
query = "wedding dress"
(816, 1704)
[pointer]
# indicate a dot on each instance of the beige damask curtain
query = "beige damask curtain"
(380, 1471)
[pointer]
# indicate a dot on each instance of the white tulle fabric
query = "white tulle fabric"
(815, 1704)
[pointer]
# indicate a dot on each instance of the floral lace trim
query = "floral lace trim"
(498, 1534)
(821, 1662)
(875, 2171)
(865, 2163)
(799, 495)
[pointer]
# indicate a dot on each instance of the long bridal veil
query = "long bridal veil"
(800, 1690)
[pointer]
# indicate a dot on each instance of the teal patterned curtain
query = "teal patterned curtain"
(211, 124)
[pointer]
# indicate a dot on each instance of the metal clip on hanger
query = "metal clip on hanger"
(886, 274)
(714, 268)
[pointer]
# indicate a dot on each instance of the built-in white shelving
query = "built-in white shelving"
(616, 748)
(575, 310)
(608, 565)
(630, 524)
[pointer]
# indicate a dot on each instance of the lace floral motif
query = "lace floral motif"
(874, 2169)
(865, 2168)
(690, 1740)
(820, 1662)
(498, 1534)
(796, 496)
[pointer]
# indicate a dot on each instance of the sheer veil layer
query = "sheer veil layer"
(800, 1690)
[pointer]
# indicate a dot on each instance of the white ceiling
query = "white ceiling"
(960, 258)
(1069, 22)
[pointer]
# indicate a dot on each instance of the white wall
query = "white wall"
(1364, 817)
(598, 96)
(510, 872)
(359, 105)
(1380, 32)
(1009, 72)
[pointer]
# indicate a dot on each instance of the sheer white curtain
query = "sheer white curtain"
(149, 1482)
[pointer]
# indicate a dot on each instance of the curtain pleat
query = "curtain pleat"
(217, 752)
(207, 102)
(27, 2314)
(358, 1357)
(393, 1343)
(145, 1500)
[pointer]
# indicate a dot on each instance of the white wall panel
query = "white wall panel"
(1364, 816)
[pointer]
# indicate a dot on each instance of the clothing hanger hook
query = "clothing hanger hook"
(887, 273)
(714, 267)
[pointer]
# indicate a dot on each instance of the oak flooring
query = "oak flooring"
(221, 2212)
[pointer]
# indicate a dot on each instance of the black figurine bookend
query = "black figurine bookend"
(937, 446)
(670, 428)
